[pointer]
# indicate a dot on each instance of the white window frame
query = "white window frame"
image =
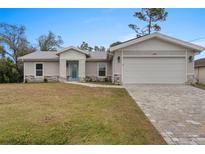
(35, 70)
(99, 67)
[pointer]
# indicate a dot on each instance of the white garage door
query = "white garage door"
(154, 70)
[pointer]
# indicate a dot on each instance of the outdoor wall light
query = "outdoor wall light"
(191, 58)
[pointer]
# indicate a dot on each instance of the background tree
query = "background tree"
(13, 39)
(96, 48)
(13, 44)
(8, 72)
(151, 16)
(49, 42)
(99, 48)
(85, 46)
(115, 43)
(2, 52)
(102, 49)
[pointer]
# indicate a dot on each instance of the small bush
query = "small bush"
(9, 72)
(106, 80)
(45, 80)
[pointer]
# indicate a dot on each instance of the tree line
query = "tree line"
(13, 42)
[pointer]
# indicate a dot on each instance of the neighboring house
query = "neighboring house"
(200, 70)
(154, 58)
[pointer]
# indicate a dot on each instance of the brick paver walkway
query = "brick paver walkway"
(177, 111)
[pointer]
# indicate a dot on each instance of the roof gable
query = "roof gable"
(73, 48)
(159, 36)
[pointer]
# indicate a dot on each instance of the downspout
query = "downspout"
(113, 68)
(186, 67)
(122, 66)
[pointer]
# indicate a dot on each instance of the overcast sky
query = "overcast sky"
(102, 26)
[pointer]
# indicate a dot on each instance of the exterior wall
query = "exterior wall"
(200, 74)
(50, 71)
(72, 55)
(117, 67)
(29, 68)
(109, 69)
(62, 69)
(92, 70)
(151, 47)
(51, 68)
(190, 67)
(81, 69)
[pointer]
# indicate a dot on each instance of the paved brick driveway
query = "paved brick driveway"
(177, 111)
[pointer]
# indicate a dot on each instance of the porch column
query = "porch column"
(81, 69)
(62, 70)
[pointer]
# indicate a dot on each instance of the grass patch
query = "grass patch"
(201, 86)
(57, 113)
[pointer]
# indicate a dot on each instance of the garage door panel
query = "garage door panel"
(154, 70)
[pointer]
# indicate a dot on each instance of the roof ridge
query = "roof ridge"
(160, 36)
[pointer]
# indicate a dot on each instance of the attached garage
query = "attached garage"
(154, 59)
(154, 70)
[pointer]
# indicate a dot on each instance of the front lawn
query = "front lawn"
(57, 113)
(201, 86)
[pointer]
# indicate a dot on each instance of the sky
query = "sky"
(103, 26)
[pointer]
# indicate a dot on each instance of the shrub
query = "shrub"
(8, 72)
(106, 80)
(45, 80)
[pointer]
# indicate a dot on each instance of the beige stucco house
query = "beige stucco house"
(200, 70)
(154, 58)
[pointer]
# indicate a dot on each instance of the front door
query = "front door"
(73, 71)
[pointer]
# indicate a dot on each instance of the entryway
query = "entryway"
(72, 71)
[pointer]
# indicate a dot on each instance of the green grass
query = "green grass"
(57, 113)
(201, 86)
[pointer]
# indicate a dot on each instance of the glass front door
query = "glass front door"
(73, 71)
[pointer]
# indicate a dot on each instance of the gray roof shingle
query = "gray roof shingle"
(200, 63)
(53, 56)
(97, 56)
(41, 55)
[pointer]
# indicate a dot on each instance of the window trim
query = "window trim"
(35, 70)
(105, 69)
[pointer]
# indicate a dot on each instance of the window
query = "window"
(102, 69)
(39, 69)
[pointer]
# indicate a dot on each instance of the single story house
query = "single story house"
(200, 70)
(151, 59)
